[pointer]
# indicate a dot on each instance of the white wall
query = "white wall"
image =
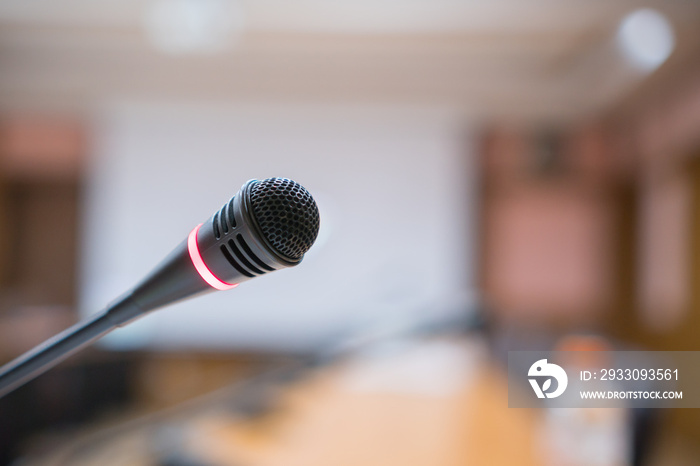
(394, 191)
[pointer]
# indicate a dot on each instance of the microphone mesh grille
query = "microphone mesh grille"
(287, 215)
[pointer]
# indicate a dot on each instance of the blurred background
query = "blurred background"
(491, 176)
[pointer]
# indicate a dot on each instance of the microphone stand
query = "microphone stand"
(172, 280)
(46, 355)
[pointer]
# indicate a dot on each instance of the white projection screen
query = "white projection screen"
(394, 188)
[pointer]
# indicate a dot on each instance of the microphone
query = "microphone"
(267, 225)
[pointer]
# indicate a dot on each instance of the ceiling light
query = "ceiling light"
(192, 26)
(646, 38)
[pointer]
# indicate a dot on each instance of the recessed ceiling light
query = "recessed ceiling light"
(192, 26)
(646, 38)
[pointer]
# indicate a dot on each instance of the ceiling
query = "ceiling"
(550, 60)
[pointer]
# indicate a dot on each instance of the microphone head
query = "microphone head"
(286, 216)
(267, 226)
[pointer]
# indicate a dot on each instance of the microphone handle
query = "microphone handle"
(54, 350)
(175, 278)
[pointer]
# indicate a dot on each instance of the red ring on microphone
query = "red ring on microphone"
(201, 267)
